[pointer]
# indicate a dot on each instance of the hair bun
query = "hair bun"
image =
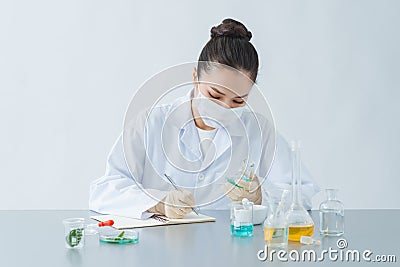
(231, 28)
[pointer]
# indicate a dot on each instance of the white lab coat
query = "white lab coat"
(165, 145)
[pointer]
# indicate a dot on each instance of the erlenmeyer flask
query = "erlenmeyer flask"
(297, 217)
(275, 225)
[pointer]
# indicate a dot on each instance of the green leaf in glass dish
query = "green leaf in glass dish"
(121, 234)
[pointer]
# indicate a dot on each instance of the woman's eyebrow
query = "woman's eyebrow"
(216, 90)
(219, 92)
(241, 96)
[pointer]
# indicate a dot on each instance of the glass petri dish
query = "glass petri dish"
(119, 236)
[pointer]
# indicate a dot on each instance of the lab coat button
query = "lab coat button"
(201, 177)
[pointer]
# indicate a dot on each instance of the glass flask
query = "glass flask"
(331, 215)
(297, 217)
(275, 225)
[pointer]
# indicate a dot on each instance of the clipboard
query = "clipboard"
(121, 222)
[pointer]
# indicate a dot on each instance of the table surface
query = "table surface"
(36, 238)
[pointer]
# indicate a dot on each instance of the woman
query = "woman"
(207, 133)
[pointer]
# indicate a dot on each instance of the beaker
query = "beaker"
(275, 225)
(242, 218)
(74, 232)
(331, 215)
(299, 221)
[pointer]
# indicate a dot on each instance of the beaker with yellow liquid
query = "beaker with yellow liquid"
(298, 219)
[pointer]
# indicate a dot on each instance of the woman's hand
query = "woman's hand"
(250, 190)
(175, 205)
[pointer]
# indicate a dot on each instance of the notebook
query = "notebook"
(121, 222)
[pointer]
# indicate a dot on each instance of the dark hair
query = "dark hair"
(230, 45)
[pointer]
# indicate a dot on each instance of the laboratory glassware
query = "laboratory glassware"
(331, 215)
(242, 218)
(245, 173)
(74, 232)
(119, 236)
(275, 225)
(299, 220)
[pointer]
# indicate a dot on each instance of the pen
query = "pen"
(174, 185)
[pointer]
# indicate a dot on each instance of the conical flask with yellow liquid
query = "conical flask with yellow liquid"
(298, 219)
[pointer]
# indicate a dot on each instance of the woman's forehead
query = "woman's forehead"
(231, 82)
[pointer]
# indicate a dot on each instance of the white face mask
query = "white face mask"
(215, 115)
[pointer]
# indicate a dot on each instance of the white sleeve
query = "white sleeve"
(280, 175)
(117, 192)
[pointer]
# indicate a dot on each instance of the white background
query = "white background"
(68, 69)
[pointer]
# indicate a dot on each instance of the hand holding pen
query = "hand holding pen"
(186, 194)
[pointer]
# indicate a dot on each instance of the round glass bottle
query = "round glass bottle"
(331, 215)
